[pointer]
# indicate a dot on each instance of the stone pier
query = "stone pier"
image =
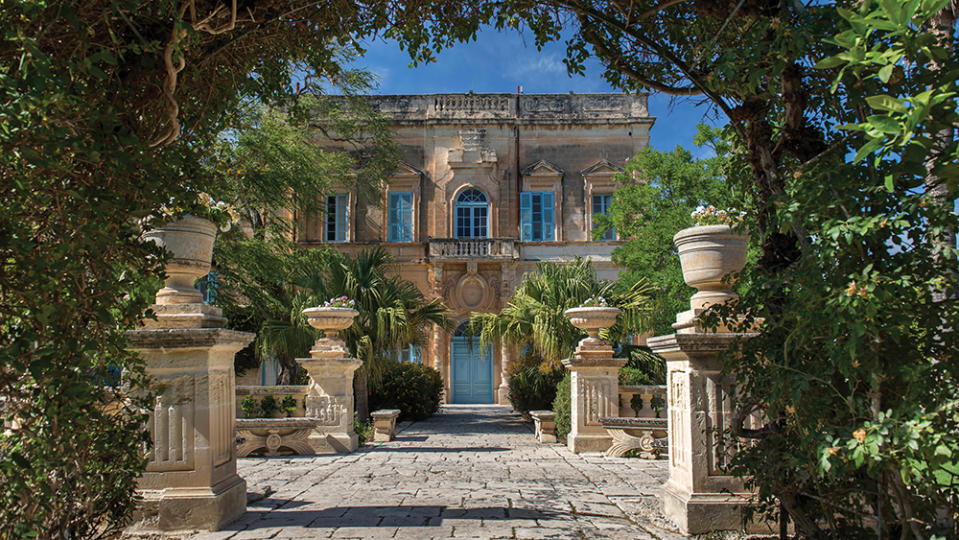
(329, 399)
(700, 496)
(594, 382)
(190, 480)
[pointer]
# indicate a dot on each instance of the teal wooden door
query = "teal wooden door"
(472, 371)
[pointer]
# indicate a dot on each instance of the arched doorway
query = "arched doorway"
(472, 214)
(471, 368)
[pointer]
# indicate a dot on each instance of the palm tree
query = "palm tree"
(392, 313)
(534, 316)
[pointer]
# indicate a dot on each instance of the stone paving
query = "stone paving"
(468, 472)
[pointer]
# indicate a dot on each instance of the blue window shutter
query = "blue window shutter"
(526, 216)
(549, 219)
(341, 217)
(406, 217)
(393, 217)
(416, 354)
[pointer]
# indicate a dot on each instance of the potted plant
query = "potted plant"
(710, 252)
(188, 235)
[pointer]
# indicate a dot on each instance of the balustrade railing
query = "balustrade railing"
(470, 248)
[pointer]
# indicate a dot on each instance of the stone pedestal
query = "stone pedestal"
(384, 424)
(190, 481)
(329, 399)
(700, 496)
(594, 394)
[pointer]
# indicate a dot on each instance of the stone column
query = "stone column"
(190, 481)
(595, 381)
(329, 398)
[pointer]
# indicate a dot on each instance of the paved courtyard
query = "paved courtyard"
(468, 472)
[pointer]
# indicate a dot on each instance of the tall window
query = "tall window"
(536, 217)
(400, 216)
(337, 215)
(472, 214)
(410, 353)
(601, 203)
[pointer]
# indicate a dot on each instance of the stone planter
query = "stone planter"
(592, 319)
(330, 319)
(708, 254)
(190, 240)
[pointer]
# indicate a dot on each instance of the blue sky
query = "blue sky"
(500, 61)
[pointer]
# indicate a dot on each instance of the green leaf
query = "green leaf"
(867, 149)
(829, 62)
(886, 72)
(886, 103)
(884, 124)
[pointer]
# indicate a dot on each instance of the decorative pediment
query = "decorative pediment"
(542, 168)
(602, 167)
(406, 171)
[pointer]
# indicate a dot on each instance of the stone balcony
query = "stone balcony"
(463, 249)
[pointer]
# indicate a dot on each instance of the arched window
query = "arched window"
(472, 214)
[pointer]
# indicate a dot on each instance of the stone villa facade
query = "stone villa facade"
(489, 185)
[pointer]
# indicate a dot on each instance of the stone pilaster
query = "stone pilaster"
(594, 392)
(329, 398)
(190, 481)
(700, 496)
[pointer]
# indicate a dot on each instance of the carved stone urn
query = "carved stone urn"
(330, 320)
(190, 240)
(708, 254)
(592, 319)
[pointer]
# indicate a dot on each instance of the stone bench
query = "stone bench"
(545, 422)
(384, 424)
(269, 435)
(636, 434)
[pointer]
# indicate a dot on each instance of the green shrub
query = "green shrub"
(630, 376)
(269, 406)
(363, 430)
(289, 405)
(562, 407)
(532, 384)
(251, 409)
(414, 389)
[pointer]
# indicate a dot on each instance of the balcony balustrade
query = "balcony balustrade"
(472, 248)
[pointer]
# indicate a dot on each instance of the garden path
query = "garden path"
(467, 472)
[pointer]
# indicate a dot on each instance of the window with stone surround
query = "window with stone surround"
(537, 217)
(337, 217)
(601, 203)
(400, 217)
(472, 214)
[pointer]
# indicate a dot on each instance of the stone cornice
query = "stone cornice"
(183, 338)
(696, 343)
(538, 109)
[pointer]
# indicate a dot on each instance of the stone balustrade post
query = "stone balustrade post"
(190, 480)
